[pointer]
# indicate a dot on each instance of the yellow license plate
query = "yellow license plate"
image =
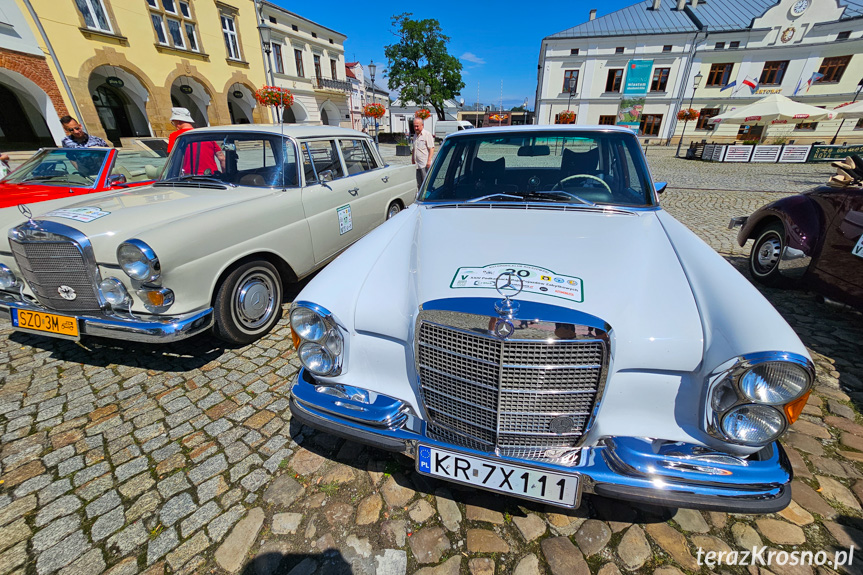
(46, 322)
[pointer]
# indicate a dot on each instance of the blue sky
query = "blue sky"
(496, 41)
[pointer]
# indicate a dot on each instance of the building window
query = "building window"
(734, 45)
(298, 60)
(153, 3)
(277, 59)
(607, 120)
(573, 51)
(666, 48)
(314, 34)
(159, 26)
(185, 10)
(650, 125)
(566, 78)
(859, 124)
(331, 41)
(192, 35)
(176, 32)
(773, 73)
(273, 20)
(806, 126)
(719, 74)
(706, 114)
(660, 79)
(844, 35)
(229, 30)
(169, 6)
(618, 50)
(294, 28)
(720, 46)
(95, 15)
(614, 80)
(317, 60)
(333, 69)
(833, 68)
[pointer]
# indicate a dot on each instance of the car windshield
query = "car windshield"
(78, 167)
(584, 167)
(138, 166)
(236, 158)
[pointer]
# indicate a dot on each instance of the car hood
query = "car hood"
(624, 264)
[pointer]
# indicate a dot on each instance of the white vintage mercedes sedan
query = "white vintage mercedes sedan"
(240, 212)
(537, 325)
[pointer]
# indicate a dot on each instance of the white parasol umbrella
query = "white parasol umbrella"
(851, 111)
(774, 109)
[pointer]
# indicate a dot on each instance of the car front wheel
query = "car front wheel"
(248, 303)
(766, 254)
(393, 210)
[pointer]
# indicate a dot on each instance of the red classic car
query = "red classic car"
(54, 173)
(813, 240)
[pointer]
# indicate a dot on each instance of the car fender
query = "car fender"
(800, 216)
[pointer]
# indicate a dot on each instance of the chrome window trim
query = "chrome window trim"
(713, 419)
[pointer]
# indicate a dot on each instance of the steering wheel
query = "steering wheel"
(86, 177)
(559, 185)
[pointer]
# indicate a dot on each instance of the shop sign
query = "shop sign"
(186, 89)
(833, 152)
(238, 94)
(115, 82)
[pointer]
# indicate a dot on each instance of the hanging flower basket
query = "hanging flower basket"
(374, 110)
(566, 117)
(422, 114)
(274, 96)
(688, 114)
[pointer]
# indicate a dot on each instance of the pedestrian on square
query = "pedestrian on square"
(201, 158)
(423, 150)
(76, 137)
(182, 120)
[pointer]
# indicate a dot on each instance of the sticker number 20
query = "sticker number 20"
(520, 273)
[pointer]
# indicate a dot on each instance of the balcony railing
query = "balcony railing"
(331, 85)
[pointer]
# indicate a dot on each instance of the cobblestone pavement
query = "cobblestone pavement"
(125, 458)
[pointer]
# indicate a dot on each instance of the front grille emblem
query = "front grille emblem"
(561, 424)
(503, 328)
(506, 286)
(67, 293)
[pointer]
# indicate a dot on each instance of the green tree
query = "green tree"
(517, 109)
(420, 55)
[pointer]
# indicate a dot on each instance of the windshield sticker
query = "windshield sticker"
(536, 280)
(87, 214)
(346, 224)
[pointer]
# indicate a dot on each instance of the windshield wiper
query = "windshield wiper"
(38, 179)
(198, 178)
(570, 194)
(509, 196)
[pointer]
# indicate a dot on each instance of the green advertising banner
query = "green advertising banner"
(634, 91)
(827, 153)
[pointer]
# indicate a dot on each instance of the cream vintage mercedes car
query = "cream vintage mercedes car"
(240, 212)
(537, 325)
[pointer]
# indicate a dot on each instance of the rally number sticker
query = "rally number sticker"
(346, 224)
(536, 280)
(86, 214)
(858, 248)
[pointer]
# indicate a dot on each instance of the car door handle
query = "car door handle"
(353, 191)
(385, 179)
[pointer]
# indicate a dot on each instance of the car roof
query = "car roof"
(293, 130)
(539, 128)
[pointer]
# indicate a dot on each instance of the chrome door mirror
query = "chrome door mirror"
(327, 176)
(660, 186)
(116, 180)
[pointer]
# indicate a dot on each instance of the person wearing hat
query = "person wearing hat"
(202, 157)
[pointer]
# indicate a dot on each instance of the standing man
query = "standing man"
(423, 150)
(200, 157)
(181, 118)
(76, 137)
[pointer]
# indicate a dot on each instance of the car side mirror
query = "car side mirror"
(660, 186)
(116, 180)
(327, 176)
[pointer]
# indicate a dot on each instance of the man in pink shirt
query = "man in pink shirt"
(423, 150)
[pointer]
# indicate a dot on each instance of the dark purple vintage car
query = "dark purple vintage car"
(810, 240)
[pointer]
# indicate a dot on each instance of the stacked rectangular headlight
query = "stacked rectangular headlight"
(318, 339)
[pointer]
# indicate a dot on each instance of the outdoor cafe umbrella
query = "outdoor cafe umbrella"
(850, 111)
(774, 109)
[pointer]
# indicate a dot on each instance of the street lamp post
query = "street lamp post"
(372, 70)
(696, 81)
(859, 88)
(266, 34)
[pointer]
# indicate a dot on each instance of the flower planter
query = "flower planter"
(403, 150)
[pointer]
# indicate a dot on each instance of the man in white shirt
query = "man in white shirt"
(423, 150)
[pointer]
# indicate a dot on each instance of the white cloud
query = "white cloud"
(472, 58)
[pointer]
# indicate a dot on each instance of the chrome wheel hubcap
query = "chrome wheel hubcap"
(768, 254)
(255, 300)
(394, 209)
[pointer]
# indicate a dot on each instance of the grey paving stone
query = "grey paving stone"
(199, 518)
(70, 465)
(173, 485)
(58, 508)
(110, 500)
(219, 526)
(254, 480)
(232, 553)
(161, 545)
(273, 462)
(211, 489)
(175, 509)
(54, 490)
(187, 550)
(129, 539)
(166, 452)
(131, 468)
(32, 484)
(236, 451)
(218, 427)
(55, 457)
(62, 553)
(91, 563)
(90, 473)
(108, 524)
(213, 466)
(137, 485)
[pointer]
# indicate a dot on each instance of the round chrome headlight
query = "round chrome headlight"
(307, 324)
(774, 382)
(7, 278)
(316, 359)
(753, 424)
(114, 292)
(139, 261)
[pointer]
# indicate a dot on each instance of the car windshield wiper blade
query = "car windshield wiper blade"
(199, 178)
(39, 179)
(570, 194)
(508, 196)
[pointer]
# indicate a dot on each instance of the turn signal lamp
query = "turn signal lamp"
(795, 408)
(295, 338)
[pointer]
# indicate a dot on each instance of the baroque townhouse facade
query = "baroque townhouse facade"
(309, 60)
(742, 50)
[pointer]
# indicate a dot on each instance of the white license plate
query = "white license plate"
(858, 248)
(554, 488)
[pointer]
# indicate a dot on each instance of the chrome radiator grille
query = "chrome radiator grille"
(47, 265)
(490, 394)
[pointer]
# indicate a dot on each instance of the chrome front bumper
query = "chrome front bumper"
(634, 469)
(126, 327)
